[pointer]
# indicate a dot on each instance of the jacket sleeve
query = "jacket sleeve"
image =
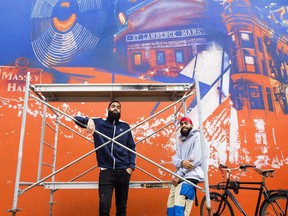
(196, 154)
(176, 160)
(81, 121)
(131, 145)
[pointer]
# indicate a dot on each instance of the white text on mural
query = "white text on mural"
(15, 82)
(166, 35)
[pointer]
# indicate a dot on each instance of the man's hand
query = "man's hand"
(90, 126)
(187, 164)
(129, 170)
(175, 180)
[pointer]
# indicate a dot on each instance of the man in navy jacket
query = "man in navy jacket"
(116, 162)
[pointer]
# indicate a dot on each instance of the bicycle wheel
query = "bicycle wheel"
(277, 206)
(215, 198)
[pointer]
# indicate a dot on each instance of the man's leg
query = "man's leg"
(188, 207)
(171, 201)
(106, 186)
(180, 201)
(121, 192)
(188, 191)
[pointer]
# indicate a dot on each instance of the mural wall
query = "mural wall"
(238, 49)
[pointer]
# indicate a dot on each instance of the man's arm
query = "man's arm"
(85, 122)
(132, 156)
(81, 121)
(196, 154)
(177, 161)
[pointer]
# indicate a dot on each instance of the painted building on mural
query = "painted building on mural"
(153, 54)
(259, 59)
(259, 73)
(162, 49)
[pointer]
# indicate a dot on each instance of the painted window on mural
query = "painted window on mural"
(137, 59)
(233, 40)
(179, 56)
(160, 57)
(269, 99)
(255, 96)
(260, 44)
(264, 67)
(237, 98)
(233, 37)
(247, 40)
(250, 63)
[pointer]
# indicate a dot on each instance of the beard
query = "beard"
(185, 133)
(114, 116)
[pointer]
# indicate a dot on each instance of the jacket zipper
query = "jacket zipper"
(112, 146)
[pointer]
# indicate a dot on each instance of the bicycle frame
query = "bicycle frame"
(262, 188)
(229, 185)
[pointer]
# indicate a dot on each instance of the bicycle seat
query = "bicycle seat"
(265, 173)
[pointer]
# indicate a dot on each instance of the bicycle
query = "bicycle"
(275, 202)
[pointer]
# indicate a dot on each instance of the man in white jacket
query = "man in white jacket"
(188, 162)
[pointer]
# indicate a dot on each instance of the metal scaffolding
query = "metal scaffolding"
(46, 93)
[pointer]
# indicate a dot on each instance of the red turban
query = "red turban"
(186, 119)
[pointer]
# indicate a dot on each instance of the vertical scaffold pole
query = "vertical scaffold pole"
(51, 202)
(39, 173)
(203, 143)
(21, 145)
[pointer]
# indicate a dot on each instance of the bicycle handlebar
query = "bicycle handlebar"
(242, 167)
(245, 166)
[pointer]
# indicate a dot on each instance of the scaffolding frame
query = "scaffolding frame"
(46, 93)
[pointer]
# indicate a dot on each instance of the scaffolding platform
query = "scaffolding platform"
(106, 92)
(95, 185)
(124, 92)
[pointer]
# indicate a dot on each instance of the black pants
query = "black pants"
(108, 181)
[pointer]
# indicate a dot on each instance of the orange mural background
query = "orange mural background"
(78, 202)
